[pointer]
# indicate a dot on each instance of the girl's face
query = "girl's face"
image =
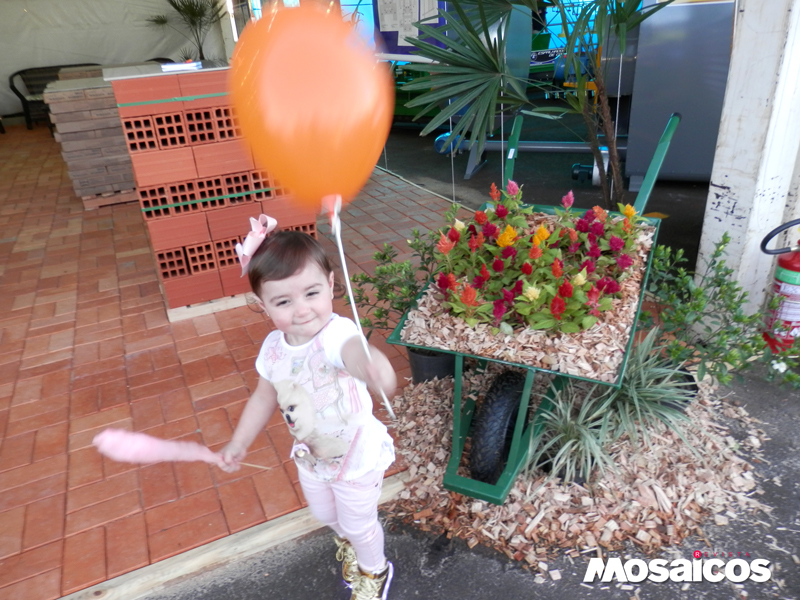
(299, 305)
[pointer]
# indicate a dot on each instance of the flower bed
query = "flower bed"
(557, 292)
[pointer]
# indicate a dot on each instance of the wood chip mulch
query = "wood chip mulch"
(595, 353)
(660, 494)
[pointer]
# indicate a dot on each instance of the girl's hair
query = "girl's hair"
(283, 254)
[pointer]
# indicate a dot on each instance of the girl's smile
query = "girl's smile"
(300, 305)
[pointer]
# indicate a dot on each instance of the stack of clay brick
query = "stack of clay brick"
(197, 182)
(87, 126)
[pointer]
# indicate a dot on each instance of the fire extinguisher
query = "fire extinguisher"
(784, 323)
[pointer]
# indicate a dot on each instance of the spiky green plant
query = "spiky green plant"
(654, 390)
(197, 16)
(570, 435)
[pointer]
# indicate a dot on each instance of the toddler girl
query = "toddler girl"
(315, 371)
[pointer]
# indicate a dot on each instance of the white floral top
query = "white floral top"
(328, 412)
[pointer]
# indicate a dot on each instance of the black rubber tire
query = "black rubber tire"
(493, 427)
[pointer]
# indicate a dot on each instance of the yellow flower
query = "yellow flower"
(542, 233)
(531, 293)
(508, 237)
(580, 278)
(629, 211)
(459, 226)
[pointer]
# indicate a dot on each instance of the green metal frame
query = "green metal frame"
(524, 432)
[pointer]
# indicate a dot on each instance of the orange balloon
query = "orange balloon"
(314, 103)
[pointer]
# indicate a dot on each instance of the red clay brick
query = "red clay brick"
(38, 422)
(44, 521)
(16, 451)
(126, 545)
(174, 429)
(30, 563)
(32, 492)
(215, 426)
(101, 419)
(219, 386)
(276, 493)
(45, 586)
(176, 404)
(146, 413)
(161, 374)
(223, 399)
(196, 372)
(241, 505)
(192, 477)
(85, 467)
(158, 485)
(11, 524)
(95, 493)
(180, 511)
(187, 536)
(50, 441)
(33, 472)
(157, 388)
(99, 514)
(84, 560)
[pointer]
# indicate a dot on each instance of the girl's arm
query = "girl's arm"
(378, 373)
(257, 412)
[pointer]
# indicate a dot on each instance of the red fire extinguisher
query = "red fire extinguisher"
(784, 323)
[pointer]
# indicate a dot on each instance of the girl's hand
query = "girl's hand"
(231, 455)
(379, 374)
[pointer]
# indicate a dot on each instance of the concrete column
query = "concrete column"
(759, 141)
(228, 28)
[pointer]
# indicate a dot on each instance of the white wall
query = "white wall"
(37, 33)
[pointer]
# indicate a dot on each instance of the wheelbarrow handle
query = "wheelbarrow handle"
(774, 233)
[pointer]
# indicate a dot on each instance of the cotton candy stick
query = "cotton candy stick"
(133, 447)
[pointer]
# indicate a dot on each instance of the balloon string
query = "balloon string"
(336, 229)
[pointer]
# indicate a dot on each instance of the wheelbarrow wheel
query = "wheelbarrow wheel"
(494, 427)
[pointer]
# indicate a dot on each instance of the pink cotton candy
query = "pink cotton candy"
(129, 446)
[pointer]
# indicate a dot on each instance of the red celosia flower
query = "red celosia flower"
(469, 296)
(494, 194)
(589, 216)
(471, 229)
(509, 252)
(477, 282)
(565, 289)
(535, 252)
(624, 261)
(443, 282)
(485, 272)
(592, 239)
(588, 265)
(557, 307)
(453, 235)
(517, 289)
(480, 217)
(498, 265)
(573, 248)
(582, 225)
(567, 200)
(616, 244)
(527, 268)
(476, 242)
(594, 251)
(451, 282)
(598, 229)
(499, 310)
(445, 245)
(490, 230)
(593, 296)
(501, 211)
(557, 268)
(508, 296)
(608, 285)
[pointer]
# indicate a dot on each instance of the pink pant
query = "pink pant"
(350, 508)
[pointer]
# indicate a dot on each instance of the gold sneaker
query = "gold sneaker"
(346, 555)
(370, 586)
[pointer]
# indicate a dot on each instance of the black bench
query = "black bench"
(31, 84)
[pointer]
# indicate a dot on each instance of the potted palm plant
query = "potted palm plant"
(195, 16)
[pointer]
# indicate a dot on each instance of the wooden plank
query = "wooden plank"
(93, 202)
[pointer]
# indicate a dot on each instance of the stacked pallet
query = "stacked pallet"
(84, 72)
(87, 126)
(197, 183)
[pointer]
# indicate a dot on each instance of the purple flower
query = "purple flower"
(608, 285)
(499, 310)
(501, 211)
(598, 228)
(588, 265)
(508, 297)
(517, 289)
(573, 247)
(478, 282)
(490, 230)
(624, 261)
(509, 252)
(582, 225)
(592, 239)
(589, 216)
(616, 243)
(472, 229)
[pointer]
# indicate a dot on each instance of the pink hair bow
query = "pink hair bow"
(260, 228)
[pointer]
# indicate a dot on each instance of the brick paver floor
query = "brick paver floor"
(85, 344)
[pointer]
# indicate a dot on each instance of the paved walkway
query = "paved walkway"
(85, 344)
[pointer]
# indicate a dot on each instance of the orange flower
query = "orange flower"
(557, 268)
(476, 242)
(573, 235)
(626, 225)
(535, 252)
(445, 244)
(451, 282)
(494, 194)
(600, 214)
(508, 237)
(469, 296)
(480, 217)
